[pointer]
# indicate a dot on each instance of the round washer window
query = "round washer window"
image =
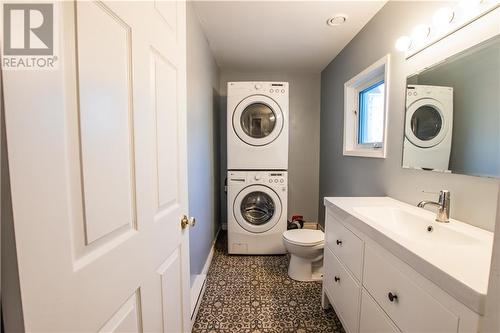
(257, 208)
(426, 122)
(258, 120)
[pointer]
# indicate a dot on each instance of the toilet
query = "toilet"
(306, 253)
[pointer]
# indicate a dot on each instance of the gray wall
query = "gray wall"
(203, 142)
(476, 108)
(303, 158)
(474, 200)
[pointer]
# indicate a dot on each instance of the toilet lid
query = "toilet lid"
(304, 236)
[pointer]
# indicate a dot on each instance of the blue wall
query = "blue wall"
(203, 142)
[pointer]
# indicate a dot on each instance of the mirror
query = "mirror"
(452, 121)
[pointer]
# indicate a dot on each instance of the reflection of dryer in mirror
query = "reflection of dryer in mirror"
(257, 125)
(428, 127)
(257, 217)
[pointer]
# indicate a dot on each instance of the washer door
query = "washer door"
(426, 125)
(258, 120)
(257, 208)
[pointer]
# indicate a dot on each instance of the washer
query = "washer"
(257, 215)
(257, 125)
(428, 128)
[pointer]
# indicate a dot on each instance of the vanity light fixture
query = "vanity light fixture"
(336, 20)
(420, 33)
(403, 43)
(469, 5)
(444, 21)
(442, 17)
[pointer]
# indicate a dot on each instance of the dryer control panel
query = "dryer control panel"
(269, 178)
(267, 88)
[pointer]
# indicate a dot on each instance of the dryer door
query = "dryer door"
(426, 125)
(258, 120)
(257, 208)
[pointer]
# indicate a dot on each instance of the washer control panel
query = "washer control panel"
(269, 178)
(276, 178)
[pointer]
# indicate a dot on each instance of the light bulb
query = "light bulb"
(469, 8)
(403, 43)
(442, 17)
(420, 33)
(467, 5)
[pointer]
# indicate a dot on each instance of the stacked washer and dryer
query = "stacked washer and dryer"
(257, 162)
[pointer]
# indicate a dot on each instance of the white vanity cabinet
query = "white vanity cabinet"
(373, 290)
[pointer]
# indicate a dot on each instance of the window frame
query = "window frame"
(377, 72)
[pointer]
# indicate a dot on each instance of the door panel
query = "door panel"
(171, 276)
(127, 318)
(106, 120)
(167, 10)
(97, 153)
(165, 109)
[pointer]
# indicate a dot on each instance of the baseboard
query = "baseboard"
(311, 225)
(198, 287)
(197, 290)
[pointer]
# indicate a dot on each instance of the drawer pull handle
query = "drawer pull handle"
(336, 278)
(392, 297)
(339, 242)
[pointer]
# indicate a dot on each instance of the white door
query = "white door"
(97, 153)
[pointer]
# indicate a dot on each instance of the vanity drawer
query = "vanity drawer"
(373, 318)
(412, 309)
(343, 291)
(346, 245)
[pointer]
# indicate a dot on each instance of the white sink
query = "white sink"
(455, 255)
(416, 227)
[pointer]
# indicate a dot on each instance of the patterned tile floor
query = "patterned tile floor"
(254, 294)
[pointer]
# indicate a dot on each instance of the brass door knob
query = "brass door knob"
(185, 221)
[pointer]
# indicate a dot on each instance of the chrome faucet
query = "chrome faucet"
(443, 213)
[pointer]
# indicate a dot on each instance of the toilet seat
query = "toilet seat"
(304, 237)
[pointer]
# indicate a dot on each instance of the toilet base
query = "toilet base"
(301, 269)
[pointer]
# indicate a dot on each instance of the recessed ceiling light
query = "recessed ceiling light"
(337, 20)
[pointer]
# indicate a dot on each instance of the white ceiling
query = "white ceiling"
(280, 35)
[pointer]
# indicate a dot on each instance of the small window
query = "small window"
(371, 115)
(365, 111)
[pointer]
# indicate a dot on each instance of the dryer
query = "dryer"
(257, 126)
(257, 211)
(428, 128)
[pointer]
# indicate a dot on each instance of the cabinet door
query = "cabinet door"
(410, 307)
(343, 292)
(373, 318)
(346, 245)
